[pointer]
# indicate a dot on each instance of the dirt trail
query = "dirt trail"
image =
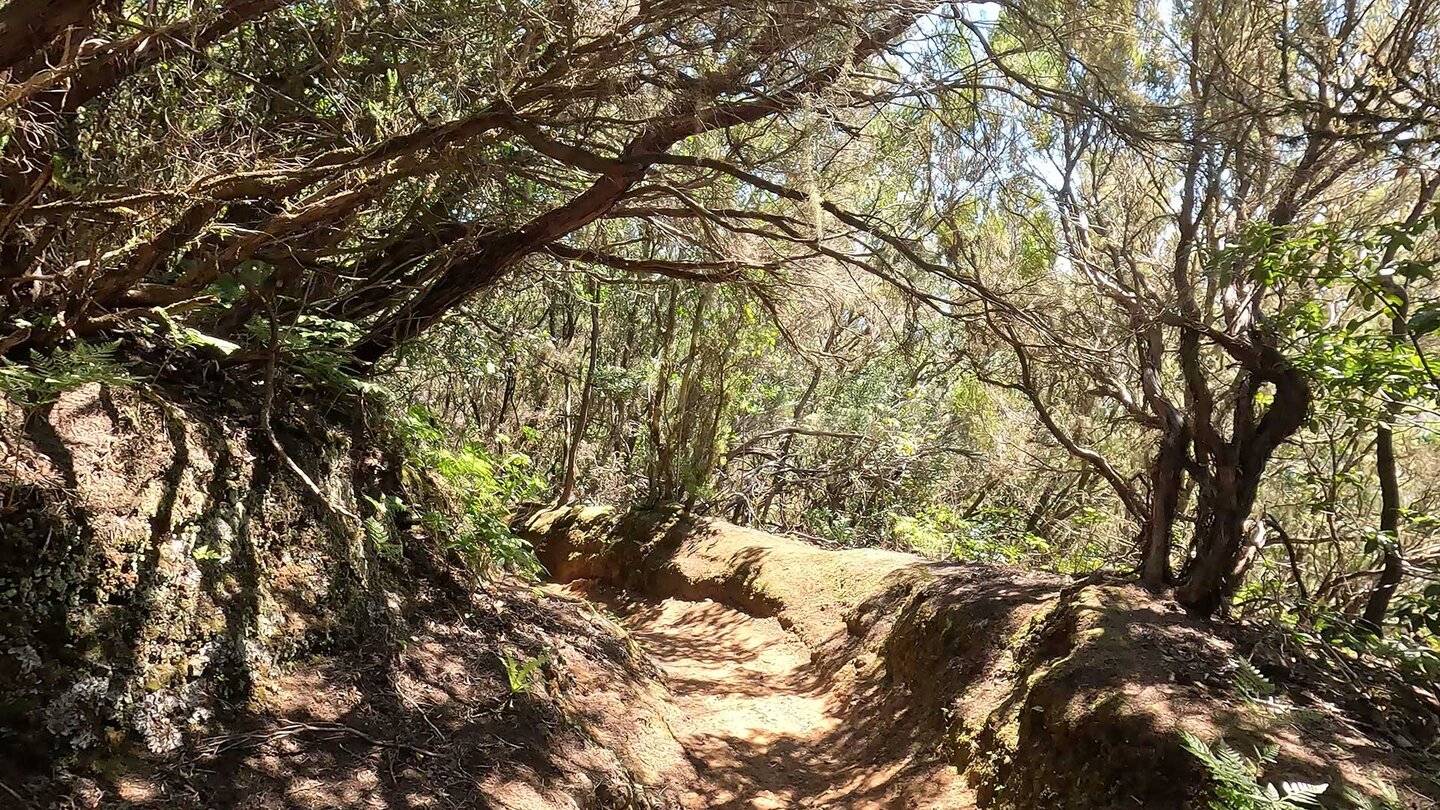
(761, 726)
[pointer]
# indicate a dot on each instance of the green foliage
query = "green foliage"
(206, 554)
(1358, 311)
(378, 526)
(1330, 254)
(1349, 352)
(1250, 682)
(1415, 653)
(477, 489)
(831, 525)
(48, 376)
(992, 534)
(1237, 786)
(188, 337)
(1389, 798)
(904, 438)
(942, 532)
(1420, 614)
(520, 674)
(1236, 779)
(317, 347)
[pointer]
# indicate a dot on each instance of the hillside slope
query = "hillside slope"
(183, 625)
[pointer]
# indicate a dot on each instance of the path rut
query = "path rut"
(763, 728)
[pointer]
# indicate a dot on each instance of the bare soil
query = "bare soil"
(762, 725)
(810, 677)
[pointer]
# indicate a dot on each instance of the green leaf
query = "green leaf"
(187, 336)
(1425, 320)
(225, 347)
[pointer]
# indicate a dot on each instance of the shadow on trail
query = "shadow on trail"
(766, 727)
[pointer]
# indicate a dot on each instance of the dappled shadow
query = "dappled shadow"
(1049, 689)
(430, 723)
(766, 727)
(103, 600)
(1065, 685)
(155, 577)
(234, 586)
(1108, 679)
(427, 723)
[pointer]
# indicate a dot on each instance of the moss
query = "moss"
(591, 515)
(161, 676)
(100, 578)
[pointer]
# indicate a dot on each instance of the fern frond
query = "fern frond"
(1303, 794)
(1250, 682)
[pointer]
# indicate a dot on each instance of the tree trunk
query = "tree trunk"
(782, 455)
(1252, 546)
(1235, 468)
(1166, 480)
(461, 279)
(686, 404)
(661, 451)
(452, 287)
(1218, 542)
(1379, 602)
(582, 419)
(26, 26)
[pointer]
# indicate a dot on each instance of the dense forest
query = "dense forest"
(1142, 292)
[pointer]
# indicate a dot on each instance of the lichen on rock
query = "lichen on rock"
(152, 564)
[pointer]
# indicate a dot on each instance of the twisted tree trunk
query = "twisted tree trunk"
(1230, 483)
(1167, 477)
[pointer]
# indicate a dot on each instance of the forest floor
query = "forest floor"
(761, 725)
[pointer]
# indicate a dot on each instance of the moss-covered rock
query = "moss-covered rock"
(151, 566)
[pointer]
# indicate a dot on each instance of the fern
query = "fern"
(1236, 779)
(476, 489)
(519, 674)
(316, 348)
(1250, 682)
(1237, 787)
(1389, 798)
(47, 377)
(189, 337)
(377, 526)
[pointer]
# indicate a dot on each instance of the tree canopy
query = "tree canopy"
(1147, 286)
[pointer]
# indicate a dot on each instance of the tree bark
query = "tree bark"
(462, 279)
(25, 165)
(582, 419)
(190, 36)
(1227, 494)
(1394, 569)
(1166, 480)
(26, 26)
(1390, 576)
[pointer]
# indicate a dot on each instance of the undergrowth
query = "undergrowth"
(1236, 782)
(1236, 779)
(47, 376)
(469, 489)
(519, 673)
(991, 535)
(473, 489)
